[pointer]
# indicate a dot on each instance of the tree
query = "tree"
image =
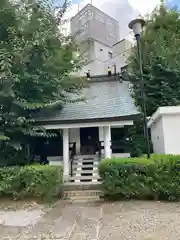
(161, 67)
(36, 62)
(161, 58)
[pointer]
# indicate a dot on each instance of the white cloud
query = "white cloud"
(144, 6)
(122, 10)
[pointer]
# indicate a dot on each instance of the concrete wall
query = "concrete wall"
(100, 35)
(94, 51)
(121, 46)
(95, 24)
(101, 51)
(96, 67)
(120, 54)
(100, 60)
(119, 60)
(157, 136)
(55, 161)
(172, 134)
(99, 67)
(165, 130)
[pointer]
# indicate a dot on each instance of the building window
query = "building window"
(110, 55)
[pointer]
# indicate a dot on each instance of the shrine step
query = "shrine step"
(84, 178)
(81, 186)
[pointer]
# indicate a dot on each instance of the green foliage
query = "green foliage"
(137, 143)
(10, 157)
(160, 44)
(140, 178)
(161, 57)
(36, 62)
(36, 181)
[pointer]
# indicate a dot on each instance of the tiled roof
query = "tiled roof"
(106, 97)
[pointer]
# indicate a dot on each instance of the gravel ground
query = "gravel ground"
(130, 220)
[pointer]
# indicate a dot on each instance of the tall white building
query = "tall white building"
(98, 35)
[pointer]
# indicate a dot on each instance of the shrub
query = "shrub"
(141, 178)
(35, 181)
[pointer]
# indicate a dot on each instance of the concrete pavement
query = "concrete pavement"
(65, 220)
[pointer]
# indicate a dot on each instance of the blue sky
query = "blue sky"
(75, 1)
(172, 3)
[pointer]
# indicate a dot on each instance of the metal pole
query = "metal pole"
(114, 69)
(146, 135)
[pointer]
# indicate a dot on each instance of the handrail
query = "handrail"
(72, 148)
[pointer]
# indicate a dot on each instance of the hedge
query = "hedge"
(140, 178)
(33, 181)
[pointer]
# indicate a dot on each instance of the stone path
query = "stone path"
(131, 220)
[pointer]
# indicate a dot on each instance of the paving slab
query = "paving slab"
(66, 220)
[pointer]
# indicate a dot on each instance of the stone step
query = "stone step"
(81, 186)
(86, 171)
(85, 193)
(73, 178)
(95, 164)
(86, 160)
(85, 199)
(85, 156)
(85, 165)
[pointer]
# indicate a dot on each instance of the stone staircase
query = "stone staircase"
(83, 195)
(84, 184)
(85, 169)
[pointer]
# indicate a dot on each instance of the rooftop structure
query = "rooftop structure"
(92, 23)
(98, 35)
(105, 98)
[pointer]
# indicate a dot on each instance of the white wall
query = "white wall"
(157, 136)
(121, 47)
(101, 61)
(101, 51)
(119, 60)
(96, 68)
(120, 54)
(165, 130)
(172, 134)
(98, 54)
(74, 136)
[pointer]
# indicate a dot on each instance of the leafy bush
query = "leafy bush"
(35, 181)
(141, 178)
